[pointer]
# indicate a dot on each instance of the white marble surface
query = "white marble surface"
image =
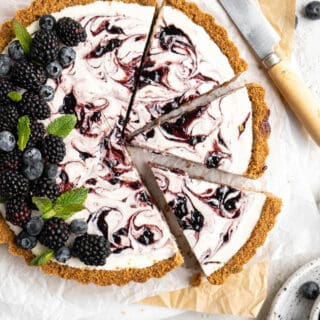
(307, 55)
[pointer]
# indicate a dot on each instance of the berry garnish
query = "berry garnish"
(34, 106)
(54, 233)
(66, 56)
(91, 249)
(47, 22)
(31, 156)
(312, 10)
(17, 211)
(25, 241)
(70, 32)
(54, 69)
(7, 141)
(46, 93)
(310, 290)
(15, 51)
(5, 65)
(33, 171)
(8, 117)
(34, 226)
(10, 160)
(78, 226)
(62, 254)
(45, 187)
(6, 87)
(147, 237)
(51, 170)
(13, 184)
(54, 149)
(38, 132)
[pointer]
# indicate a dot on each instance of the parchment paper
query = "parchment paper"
(28, 294)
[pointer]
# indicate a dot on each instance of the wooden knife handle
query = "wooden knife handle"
(303, 103)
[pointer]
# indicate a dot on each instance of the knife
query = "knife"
(260, 35)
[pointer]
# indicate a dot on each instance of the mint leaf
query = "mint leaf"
(73, 197)
(66, 212)
(42, 259)
(62, 126)
(3, 200)
(43, 204)
(15, 96)
(23, 36)
(23, 129)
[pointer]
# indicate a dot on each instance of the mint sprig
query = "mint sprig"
(23, 36)
(24, 132)
(42, 259)
(15, 96)
(65, 206)
(62, 126)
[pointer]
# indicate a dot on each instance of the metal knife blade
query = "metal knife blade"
(256, 29)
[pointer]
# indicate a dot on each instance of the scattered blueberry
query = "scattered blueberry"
(31, 156)
(7, 141)
(51, 170)
(312, 10)
(54, 70)
(63, 254)
(46, 93)
(34, 226)
(66, 56)
(15, 50)
(34, 171)
(78, 226)
(26, 241)
(5, 64)
(47, 22)
(310, 290)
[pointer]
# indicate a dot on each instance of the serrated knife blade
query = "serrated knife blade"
(256, 29)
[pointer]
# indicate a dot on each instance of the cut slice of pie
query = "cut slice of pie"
(223, 226)
(230, 133)
(188, 55)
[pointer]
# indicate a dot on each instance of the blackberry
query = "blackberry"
(45, 187)
(34, 106)
(10, 160)
(17, 211)
(28, 75)
(70, 32)
(45, 47)
(13, 184)
(54, 149)
(8, 117)
(54, 233)
(5, 87)
(38, 132)
(91, 249)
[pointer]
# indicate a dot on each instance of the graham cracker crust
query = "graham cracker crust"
(271, 209)
(99, 277)
(215, 31)
(261, 131)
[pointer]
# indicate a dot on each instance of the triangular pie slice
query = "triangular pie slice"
(230, 133)
(188, 55)
(223, 226)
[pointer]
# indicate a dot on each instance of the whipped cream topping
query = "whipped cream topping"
(182, 63)
(218, 135)
(97, 89)
(216, 220)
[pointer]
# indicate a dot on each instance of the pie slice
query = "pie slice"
(223, 226)
(229, 134)
(188, 55)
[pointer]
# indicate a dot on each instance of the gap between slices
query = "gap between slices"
(223, 226)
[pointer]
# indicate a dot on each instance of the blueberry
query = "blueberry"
(63, 254)
(310, 290)
(197, 220)
(7, 141)
(66, 56)
(47, 22)
(26, 241)
(34, 226)
(51, 170)
(54, 70)
(46, 93)
(5, 64)
(15, 50)
(78, 226)
(312, 10)
(147, 237)
(34, 171)
(31, 156)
